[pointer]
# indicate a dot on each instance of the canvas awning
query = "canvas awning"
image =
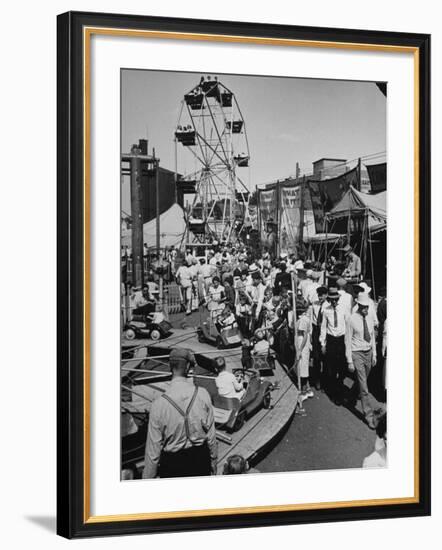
(172, 228)
(356, 203)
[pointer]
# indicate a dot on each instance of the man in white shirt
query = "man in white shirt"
(360, 346)
(184, 279)
(332, 339)
(346, 299)
(206, 272)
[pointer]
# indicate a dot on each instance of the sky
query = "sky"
(288, 120)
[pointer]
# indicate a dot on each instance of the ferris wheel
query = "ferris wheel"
(212, 131)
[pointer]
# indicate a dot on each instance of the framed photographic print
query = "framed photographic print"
(237, 204)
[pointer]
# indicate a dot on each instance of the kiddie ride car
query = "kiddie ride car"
(211, 332)
(147, 323)
(231, 413)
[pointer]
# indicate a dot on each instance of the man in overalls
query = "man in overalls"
(181, 439)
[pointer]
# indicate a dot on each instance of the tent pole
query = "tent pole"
(373, 284)
(326, 249)
(295, 342)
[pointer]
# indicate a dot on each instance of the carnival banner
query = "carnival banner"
(378, 176)
(325, 194)
(267, 204)
(290, 201)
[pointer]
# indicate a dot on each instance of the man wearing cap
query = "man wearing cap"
(181, 438)
(360, 346)
(332, 339)
(353, 269)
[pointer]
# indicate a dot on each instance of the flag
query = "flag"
(325, 194)
(378, 176)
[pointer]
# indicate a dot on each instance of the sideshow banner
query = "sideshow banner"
(325, 194)
(267, 207)
(290, 200)
(378, 176)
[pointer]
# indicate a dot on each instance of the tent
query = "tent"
(360, 216)
(172, 228)
(355, 203)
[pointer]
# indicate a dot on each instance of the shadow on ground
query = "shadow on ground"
(48, 523)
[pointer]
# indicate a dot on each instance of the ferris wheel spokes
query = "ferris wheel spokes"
(215, 135)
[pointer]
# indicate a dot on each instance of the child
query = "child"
(236, 464)
(226, 318)
(243, 312)
(226, 382)
(261, 346)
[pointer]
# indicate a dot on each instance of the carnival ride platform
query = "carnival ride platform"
(145, 376)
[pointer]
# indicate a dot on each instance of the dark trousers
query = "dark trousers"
(335, 366)
(316, 373)
(194, 461)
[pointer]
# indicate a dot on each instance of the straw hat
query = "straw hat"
(363, 299)
(333, 294)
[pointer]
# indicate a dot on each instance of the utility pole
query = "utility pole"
(301, 215)
(132, 165)
(157, 200)
(137, 216)
(359, 174)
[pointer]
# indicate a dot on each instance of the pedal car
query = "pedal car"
(147, 323)
(225, 337)
(221, 329)
(231, 413)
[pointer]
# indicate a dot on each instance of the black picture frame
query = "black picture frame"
(72, 520)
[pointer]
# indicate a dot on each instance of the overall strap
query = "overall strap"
(182, 413)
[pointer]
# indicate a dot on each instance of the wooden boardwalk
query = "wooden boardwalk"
(258, 431)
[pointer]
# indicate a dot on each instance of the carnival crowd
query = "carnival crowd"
(319, 318)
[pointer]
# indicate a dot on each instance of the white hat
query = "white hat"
(299, 264)
(365, 287)
(363, 299)
(253, 268)
(283, 255)
(309, 272)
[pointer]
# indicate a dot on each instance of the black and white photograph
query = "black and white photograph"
(253, 274)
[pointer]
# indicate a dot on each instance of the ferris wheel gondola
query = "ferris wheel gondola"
(211, 129)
